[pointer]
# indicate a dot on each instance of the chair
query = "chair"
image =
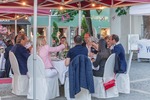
(84, 94)
(100, 92)
(2, 61)
(2, 66)
(46, 88)
(19, 82)
(123, 80)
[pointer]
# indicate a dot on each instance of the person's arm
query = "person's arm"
(97, 61)
(24, 52)
(67, 61)
(116, 50)
(56, 49)
(6, 54)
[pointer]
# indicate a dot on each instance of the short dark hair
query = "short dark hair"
(78, 39)
(9, 42)
(87, 34)
(63, 37)
(115, 37)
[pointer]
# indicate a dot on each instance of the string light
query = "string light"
(26, 17)
(93, 4)
(24, 3)
(17, 16)
(61, 8)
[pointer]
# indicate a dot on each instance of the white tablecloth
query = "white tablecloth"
(61, 68)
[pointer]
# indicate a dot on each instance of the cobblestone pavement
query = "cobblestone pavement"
(140, 86)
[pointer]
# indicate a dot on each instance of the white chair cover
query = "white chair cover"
(108, 75)
(46, 88)
(2, 61)
(19, 82)
(123, 80)
(82, 95)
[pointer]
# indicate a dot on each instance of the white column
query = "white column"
(15, 27)
(130, 32)
(49, 30)
(34, 48)
(80, 15)
(130, 24)
(28, 30)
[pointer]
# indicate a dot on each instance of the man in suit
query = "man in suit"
(77, 50)
(21, 52)
(119, 51)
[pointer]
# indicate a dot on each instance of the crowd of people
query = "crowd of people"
(97, 51)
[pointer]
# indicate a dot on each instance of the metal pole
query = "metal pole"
(130, 33)
(28, 30)
(34, 48)
(49, 30)
(15, 27)
(79, 30)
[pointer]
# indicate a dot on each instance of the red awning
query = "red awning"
(12, 13)
(13, 7)
(70, 4)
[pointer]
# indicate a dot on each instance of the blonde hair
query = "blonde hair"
(39, 42)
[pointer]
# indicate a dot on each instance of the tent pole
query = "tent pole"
(130, 31)
(79, 30)
(15, 27)
(34, 48)
(49, 29)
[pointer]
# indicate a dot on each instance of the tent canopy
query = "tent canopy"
(9, 9)
(143, 9)
(12, 13)
(69, 4)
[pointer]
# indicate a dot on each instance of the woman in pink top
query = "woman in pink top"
(44, 50)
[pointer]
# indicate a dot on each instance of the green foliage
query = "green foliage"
(84, 27)
(121, 11)
(54, 34)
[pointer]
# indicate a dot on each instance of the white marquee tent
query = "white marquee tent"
(143, 9)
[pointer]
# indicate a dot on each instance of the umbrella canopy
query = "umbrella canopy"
(69, 4)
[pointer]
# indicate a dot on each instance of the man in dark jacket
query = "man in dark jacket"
(119, 51)
(6, 56)
(21, 52)
(77, 50)
(80, 68)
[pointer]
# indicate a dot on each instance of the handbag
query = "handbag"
(109, 84)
